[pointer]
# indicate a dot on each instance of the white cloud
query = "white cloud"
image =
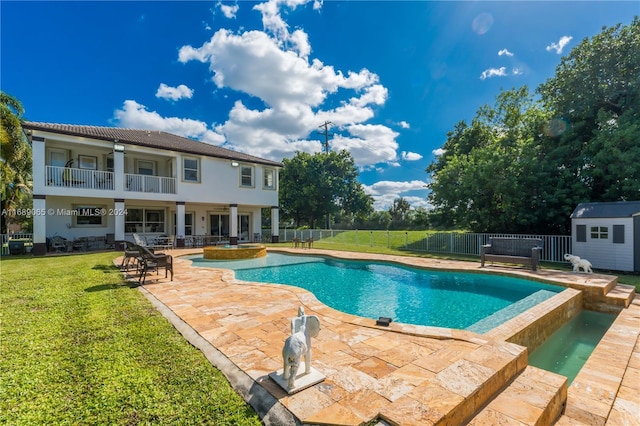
(368, 144)
(505, 52)
(411, 156)
(376, 94)
(384, 192)
(493, 72)
(404, 124)
(438, 152)
(227, 10)
(253, 61)
(136, 116)
(303, 98)
(559, 46)
(516, 71)
(299, 94)
(174, 93)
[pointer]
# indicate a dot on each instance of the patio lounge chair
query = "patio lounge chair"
(153, 261)
(131, 256)
(139, 240)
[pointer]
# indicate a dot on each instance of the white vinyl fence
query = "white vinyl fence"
(554, 246)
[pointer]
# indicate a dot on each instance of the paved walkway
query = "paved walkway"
(403, 374)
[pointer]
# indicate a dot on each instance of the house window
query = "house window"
(599, 232)
(190, 169)
(88, 216)
(147, 168)
(246, 176)
(581, 233)
(144, 220)
(618, 234)
(269, 179)
(188, 224)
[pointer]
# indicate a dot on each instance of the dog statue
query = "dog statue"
(303, 328)
(578, 263)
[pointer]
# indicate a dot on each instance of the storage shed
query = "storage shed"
(608, 234)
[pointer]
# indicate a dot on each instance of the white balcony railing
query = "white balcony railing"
(144, 183)
(98, 179)
(78, 178)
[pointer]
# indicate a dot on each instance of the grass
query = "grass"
(80, 346)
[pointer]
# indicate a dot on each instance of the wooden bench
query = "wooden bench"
(524, 251)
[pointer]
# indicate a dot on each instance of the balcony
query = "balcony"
(78, 178)
(97, 179)
(145, 183)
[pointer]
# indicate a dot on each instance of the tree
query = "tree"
(595, 96)
(315, 187)
(400, 213)
(486, 179)
(15, 157)
(523, 165)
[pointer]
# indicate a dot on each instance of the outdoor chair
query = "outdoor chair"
(163, 242)
(153, 261)
(131, 256)
(58, 243)
(110, 241)
(140, 240)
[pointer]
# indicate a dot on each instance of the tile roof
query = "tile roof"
(147, 138)
(606, 209)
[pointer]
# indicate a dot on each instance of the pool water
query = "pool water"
(477, 302)
(566, 350)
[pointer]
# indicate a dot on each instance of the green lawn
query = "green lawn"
(80, 346)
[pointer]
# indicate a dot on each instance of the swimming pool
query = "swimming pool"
(477, 302)
(566, 350)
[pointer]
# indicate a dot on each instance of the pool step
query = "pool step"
(621, 295)
(511, 311)
(606, 388)
(535, 397)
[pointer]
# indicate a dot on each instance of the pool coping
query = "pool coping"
(309, 300)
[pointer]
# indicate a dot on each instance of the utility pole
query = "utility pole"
(326, 135)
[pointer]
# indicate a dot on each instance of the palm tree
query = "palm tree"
(15, 157)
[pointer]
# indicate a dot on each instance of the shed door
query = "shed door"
(636, 243)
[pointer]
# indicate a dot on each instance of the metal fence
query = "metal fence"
(4, 247)
(554, 246)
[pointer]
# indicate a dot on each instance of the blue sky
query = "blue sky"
(393, 77)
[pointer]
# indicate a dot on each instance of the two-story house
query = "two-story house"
(96, 181)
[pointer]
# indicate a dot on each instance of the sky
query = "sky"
(391, 77)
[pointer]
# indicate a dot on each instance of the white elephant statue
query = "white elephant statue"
(578, 263)
(303, 328)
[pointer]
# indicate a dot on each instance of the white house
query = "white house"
(608, 234)
(93, 181)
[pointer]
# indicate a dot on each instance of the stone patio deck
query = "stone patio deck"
(402, 374)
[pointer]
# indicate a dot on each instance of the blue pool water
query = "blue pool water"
(477, 302)
(566, 350)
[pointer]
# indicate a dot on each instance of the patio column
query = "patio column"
(38, 161)
(120, 216)
(40, 225)
(233, 219)
(179, 223)
(275, 224)
(118, 172)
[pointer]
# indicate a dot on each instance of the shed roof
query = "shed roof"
(609, 209)
(147, 138)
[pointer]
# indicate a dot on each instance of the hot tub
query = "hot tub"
(234, 252)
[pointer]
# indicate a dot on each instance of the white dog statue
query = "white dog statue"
(578, 263)
(303, 328)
